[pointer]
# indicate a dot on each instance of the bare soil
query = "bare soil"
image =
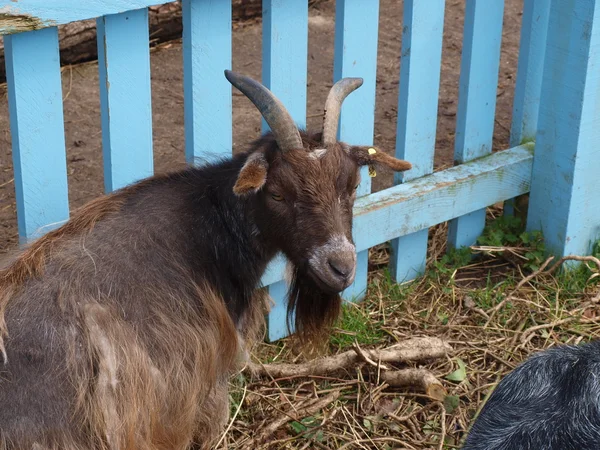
(82, 105)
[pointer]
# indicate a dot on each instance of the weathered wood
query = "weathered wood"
(78, 39)
(476, 101)
(207, 93)
(532, 48)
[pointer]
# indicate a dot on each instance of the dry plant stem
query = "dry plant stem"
(237, 411)
(418, 378)
(443, 423)
(526, 336)
(596, 299)
(309, 409)
(492, 311)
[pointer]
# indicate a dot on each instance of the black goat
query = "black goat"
(550, 402)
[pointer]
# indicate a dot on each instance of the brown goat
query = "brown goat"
(119, 329)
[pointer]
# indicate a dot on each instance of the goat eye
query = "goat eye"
(277, 197)
(356, 187)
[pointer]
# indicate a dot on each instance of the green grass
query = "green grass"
(356, 325)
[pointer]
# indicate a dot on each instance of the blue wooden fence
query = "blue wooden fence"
(558, 75)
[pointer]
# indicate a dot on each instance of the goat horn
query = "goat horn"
(333, 106)
(282, 125)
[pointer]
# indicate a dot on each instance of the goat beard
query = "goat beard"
(311, 311)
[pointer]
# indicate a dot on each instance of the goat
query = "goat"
(119, 329)
(549, 402)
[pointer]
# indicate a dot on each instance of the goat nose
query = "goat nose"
(341, 265)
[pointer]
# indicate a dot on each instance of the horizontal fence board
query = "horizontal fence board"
(436, 198)
(126, 109)
(433, 199)
(37, 128)
(27, 15)
(207, 99)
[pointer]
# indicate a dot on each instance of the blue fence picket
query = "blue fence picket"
(534, 30)
(37, 129)
(124, 74)
(284, 72)
(476, 101)
(356, 32)
(528, 88)
(285, 54)
(417, 117)
(207, 99)
(564, 199)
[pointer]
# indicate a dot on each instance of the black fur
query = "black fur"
(550, 402)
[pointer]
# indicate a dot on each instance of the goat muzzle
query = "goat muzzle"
(333, 265)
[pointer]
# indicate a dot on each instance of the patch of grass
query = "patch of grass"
(355, 324)
(508, 231)
(236, 393)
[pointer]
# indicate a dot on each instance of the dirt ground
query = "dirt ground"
(82, 116)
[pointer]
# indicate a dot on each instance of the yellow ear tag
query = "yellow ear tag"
(372, 172)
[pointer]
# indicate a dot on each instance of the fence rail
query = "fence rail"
(557, 76)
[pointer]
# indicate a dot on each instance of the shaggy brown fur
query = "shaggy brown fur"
(120, 329)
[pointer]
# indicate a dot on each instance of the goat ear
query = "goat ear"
(253, 175)
(364, 155)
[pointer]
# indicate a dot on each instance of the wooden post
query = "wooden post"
(564, 191)
(125, 99)
(207, 100)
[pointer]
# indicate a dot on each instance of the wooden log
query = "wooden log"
(78, 39)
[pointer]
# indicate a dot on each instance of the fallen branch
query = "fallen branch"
(418, 378)
(416, 349)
